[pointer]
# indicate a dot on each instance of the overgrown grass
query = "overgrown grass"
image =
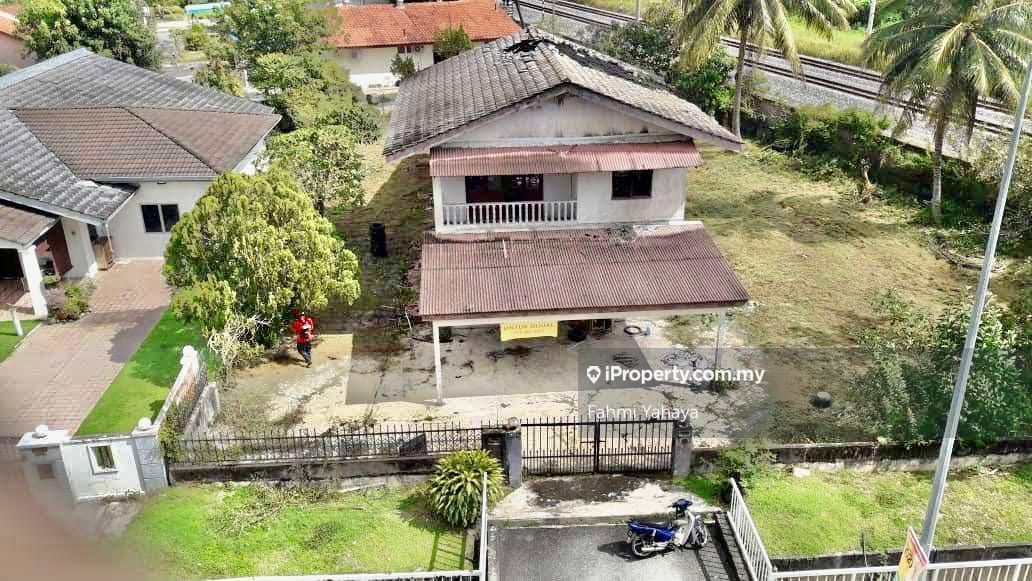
(844, 46)
(813, 260)
(9, 339)
(140, 388)
(826, 513)
(212, 531)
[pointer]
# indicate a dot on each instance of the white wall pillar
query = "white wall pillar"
(438, 205)
(437, 363)
(33, 279)
(80, 249)
(721, 327)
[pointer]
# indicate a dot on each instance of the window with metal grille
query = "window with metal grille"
(632, 184)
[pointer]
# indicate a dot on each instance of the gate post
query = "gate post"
(683, 447)
(514, 453)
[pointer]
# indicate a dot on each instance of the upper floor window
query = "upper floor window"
(159, 217)
(632, 184)
(522, 188)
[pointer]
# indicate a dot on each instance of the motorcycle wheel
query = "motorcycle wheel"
(700, 535)
(638, 548)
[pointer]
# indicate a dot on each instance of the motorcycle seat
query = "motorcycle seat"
(655, 525)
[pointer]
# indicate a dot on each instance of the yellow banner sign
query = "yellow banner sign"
(913, 560)
(529, 329)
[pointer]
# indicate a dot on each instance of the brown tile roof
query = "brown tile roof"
(562, 159)
(416, 23)
(8, 21)
(440, 101)
(566, 271)
(21, 225)
(221, 140)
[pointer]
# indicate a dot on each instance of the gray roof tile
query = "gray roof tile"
(21, 225)
(497, 75)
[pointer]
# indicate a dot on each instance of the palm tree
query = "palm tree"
(760, 22)
(945, 56)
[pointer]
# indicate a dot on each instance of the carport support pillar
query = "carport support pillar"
(437, 362)
(33, 279)
(721, 327)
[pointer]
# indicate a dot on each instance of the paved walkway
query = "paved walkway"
(60, 371)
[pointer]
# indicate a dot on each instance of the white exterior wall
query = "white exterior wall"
(371, 67)
(128, 237)
(80, 249)
(594, 192)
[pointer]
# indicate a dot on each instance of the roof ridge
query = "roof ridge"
(270, 113)
(174, 140)
(41, 67)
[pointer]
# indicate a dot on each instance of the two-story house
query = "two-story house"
(559, 188)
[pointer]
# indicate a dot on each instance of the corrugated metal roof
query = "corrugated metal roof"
(562, 159)
(574, 271)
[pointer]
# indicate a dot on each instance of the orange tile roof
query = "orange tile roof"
(8, 23)
(373, 25)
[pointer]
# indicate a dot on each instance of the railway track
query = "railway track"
(594, 16)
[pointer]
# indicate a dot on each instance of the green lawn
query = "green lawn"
(9, 339)
(140, 388)
(212, 531)
(827, 512)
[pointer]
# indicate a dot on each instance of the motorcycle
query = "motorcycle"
(686, 530)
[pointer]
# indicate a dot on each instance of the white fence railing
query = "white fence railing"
(747, 537)
(510, 213)
(1001, 570)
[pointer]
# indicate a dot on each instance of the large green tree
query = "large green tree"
(111, 28)
(220, 75)
(451, 41)
(258, 27)
(764, 23)
(906, 393)
(324, 161)
(254, 246)
(945, 56)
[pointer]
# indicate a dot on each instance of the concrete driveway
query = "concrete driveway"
(60, 371)
(597, 553)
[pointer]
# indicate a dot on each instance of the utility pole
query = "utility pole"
(637, 10)
(942, 469)
(870, 17)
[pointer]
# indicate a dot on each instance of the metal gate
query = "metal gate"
(575, 445)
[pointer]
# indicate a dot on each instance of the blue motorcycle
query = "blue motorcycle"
(686, 530)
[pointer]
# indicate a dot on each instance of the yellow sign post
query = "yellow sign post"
(529, 329)
(913, 560)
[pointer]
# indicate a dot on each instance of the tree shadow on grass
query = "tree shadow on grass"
(449, 545)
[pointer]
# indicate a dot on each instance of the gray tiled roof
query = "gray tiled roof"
(21, 225)
(494, 76)
(80, 117)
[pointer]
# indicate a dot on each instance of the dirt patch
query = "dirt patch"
(550, 492)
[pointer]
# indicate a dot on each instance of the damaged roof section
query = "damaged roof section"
(647, 268)
(440, 101)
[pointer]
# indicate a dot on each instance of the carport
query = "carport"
(24, 235)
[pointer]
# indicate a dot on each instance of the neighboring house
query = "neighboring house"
(559, 185)
(12, 47)
(99, 159)
(372, 35)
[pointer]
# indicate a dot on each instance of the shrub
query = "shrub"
(196, 37)
(454, 490)
(745, 464)
(76, 301)
(449, 42)
(403, 66)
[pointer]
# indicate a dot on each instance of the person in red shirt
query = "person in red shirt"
(304, 331)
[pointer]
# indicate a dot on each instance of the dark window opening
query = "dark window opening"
(522, 188)
(159, 218)
(632, 184)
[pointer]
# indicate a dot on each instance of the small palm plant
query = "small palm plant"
(759, 22)
(454, 490)
(945, 56)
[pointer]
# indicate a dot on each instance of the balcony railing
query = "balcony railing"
(511, 213)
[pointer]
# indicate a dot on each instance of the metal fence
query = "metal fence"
(1000, 570)
(384, 440)
(575, 445)
(747, 537)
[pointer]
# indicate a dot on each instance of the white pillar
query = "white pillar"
(438, 203)
(80, 249)
(721, 326)
(437, 363)
(33, 279)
